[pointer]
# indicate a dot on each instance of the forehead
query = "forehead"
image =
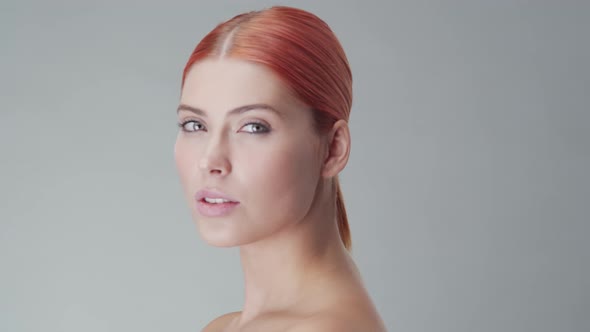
(224, 83)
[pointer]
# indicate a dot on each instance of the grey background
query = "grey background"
(467, 187)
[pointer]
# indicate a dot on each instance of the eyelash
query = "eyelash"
(265, 129)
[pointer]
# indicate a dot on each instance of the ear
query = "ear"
(338, 149)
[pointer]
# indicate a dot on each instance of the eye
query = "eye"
(191, 126)
(256, 128)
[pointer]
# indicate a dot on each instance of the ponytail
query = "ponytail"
(342, 218)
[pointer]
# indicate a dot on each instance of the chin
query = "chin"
(218, 240)
(218, 233)
(219, 243)
(234, 230)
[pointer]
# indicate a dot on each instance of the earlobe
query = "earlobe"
(338, 149)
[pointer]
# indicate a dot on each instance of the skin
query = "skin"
(298, 275)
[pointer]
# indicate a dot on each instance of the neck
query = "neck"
(283, 270)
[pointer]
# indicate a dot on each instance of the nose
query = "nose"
(215, 160)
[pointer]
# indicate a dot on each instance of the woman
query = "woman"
(263, 134)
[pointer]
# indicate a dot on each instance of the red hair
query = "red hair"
(304, 52)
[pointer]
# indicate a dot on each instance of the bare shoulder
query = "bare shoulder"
(338, 323)
(322, 324)
(219, 323)
(354, 314)
(351, 310)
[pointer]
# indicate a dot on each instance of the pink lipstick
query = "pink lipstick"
(212, 203)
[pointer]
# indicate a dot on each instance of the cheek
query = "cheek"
(283, 178)
(185, 159)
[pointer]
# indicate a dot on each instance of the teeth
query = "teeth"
(215, 200)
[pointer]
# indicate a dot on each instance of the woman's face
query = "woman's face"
(247, 153)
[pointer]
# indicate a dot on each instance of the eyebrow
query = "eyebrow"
(237, 110)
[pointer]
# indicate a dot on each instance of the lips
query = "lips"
(213, 203)
(207, 193)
